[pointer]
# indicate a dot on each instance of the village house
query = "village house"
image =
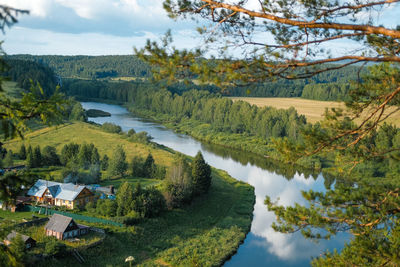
(29, 242)
(63, 227)
(60, 194)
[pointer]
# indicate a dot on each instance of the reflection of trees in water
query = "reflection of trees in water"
(286, 170)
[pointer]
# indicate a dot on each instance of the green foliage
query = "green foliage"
(94, 113)
(149, 167)
(12, 185)
(22, 152)
(90, 67)
(54, 247)
(153, 202)
(179, 183)
(201, 175)
(8, 160)
(50, 157)
(137, 166)
(78, 113)
(37, 157)
(104, 162)
(106, 207)
(111, 127)
(23, 72)
(29, 158)
(118, 164)
(367, 209)
(124, 199)
(69, 153)
(17, 248)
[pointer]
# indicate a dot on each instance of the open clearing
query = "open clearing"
(312, 109)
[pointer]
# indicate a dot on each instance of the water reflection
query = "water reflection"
(263, 246)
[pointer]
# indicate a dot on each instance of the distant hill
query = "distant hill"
(92, 67)
(328, 86)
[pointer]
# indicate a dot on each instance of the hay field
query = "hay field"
(312, 109)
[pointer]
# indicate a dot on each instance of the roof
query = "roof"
(13, 234)
(58, 223)
(57, 190)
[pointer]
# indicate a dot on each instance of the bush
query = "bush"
(106, 207)
(54, 247)
(130, 219)
(111, 127)
(141, 137)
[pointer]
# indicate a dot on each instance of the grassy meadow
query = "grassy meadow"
(204, 233)
(80, 132)
(312, 109)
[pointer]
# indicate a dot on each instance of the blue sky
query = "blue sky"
(102, 27)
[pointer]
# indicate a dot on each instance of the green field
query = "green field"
(312, 109)
(204, 233)
(80, 132)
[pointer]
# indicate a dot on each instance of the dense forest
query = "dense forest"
(333, 85)
(24, 72)
(92, 67)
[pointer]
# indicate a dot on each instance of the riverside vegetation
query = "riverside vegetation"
(261, 130)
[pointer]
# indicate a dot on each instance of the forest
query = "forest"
(333, 85)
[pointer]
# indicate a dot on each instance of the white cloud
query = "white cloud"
(38, 8)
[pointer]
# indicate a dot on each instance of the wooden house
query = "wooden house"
(60, 194)
(63, 227)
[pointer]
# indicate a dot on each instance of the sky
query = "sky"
(102, 27)
(91, 27)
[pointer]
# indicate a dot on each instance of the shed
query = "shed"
(29, 242)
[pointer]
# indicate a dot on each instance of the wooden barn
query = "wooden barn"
(63, 227)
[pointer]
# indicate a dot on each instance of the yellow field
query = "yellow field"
(312, 109)
(80, 132)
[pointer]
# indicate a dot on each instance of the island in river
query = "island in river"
(95, 113)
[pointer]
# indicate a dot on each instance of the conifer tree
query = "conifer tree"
(104, 162)
(118, 164)
(149, 166)
(201, 175)
(124, 199)
(37, 157)
(29, 158)
(8, 161)
(22, 152)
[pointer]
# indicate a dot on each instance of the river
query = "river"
(262, 246)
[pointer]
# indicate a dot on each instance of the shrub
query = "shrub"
(54, 247)
(111, 127)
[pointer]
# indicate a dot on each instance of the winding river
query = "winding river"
(262, 246)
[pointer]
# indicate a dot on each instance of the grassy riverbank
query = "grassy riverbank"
(205, 132)
(205, 233)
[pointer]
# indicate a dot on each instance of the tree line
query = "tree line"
(332, 85)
